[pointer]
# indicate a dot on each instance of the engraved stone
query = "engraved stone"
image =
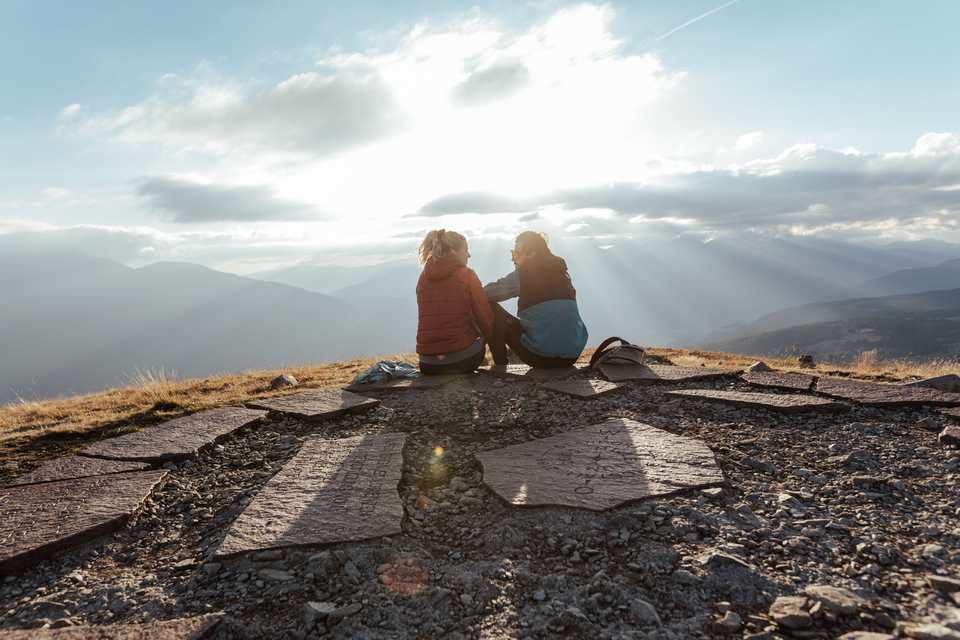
(582, 389)
(785, 381)
(186, 629)
(76, 467)
(661, 373)
(39, 519)
(332, 491)
(176, 440)
(599, 467)
(770, 401)
(322, 404)
(529, 374)
(422, 383)
(873, 394)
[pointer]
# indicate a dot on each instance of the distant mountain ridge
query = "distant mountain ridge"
(945, 275)
(72, 323)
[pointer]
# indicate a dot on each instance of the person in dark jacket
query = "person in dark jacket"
(455, 320)
(549, 332)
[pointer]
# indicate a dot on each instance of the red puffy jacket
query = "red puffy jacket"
(450, 298)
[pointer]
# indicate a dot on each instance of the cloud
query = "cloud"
(497, 82)
(748, 140)
(70, 111)
(190, 202)
(308, 113)
(805, 189)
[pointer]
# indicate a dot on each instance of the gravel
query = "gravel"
(833, 524)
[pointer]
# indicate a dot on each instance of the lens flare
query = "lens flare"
(438, 451)
(404, 575)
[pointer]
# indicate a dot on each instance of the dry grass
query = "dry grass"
(32, 433)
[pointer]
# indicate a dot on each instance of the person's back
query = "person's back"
(549, 331)
(454, 320)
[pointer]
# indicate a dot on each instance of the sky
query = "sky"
(248, 136)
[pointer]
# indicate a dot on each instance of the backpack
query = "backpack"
(626, 353)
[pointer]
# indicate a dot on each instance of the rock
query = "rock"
(759, 366)
(316, 612)
(467, 501)
(836, 599)
(316, 406)
(466, 600)
(272, 555)
(730, 623)
(459, 485)
(644, 613)
(866, 635)
(283, 380)
(950, 435)
(274, 575)
(583, 389)
(685, 578)
(777, 402)
(77, 467)
(949, 382)
(929, 424)
(932, 632)
(764, 466)
(183, 629)
(943, 584)
(337, 615)
(806, 362)
(721, 559)
(790, 612)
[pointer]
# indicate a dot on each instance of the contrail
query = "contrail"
(688, 23)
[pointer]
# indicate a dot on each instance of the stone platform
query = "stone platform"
(176, 440)
(529, 374)
(599, 467)
(875, 394)
(40, 519)
(316, 406)
(73, 467)
(780, 403)
(332, 491)
(422, 383)
(776, 380)
(582, 389)
(186, 629)
(661, 373)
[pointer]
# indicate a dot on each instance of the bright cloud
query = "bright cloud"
(70, 111)
(748, 140)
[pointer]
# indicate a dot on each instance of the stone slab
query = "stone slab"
(332, 491)
(422, 383)
(875, 394)
(949, 382)
(661, 373)
(582, 389)
(950, 435)
(39, 519)
(780, 403)
(529, 374)
(185, 629)
(72, 467)
(176, 440)
(316, 406)
(952, 413)
(776, 380)
(599, 467)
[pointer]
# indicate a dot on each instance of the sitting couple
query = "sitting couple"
(458, 317)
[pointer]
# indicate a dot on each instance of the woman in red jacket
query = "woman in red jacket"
(455, 320)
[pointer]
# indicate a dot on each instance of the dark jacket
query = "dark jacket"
(450, 301)
(547, 306)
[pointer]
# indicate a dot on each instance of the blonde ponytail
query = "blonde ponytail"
(438, 242)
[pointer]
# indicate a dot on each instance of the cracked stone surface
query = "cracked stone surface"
(950, 435)
(72, 467)
(529, 374)
(316, 406)
(176, 440)
(874, 394)
(186, 629)
(332, 491)
(774, 380)
(582, 389)
(661, 373)
(422, 383)
(599, 467)
(781, 403)
(39, 519)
